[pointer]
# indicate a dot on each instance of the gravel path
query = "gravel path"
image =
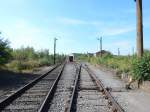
(131, 101)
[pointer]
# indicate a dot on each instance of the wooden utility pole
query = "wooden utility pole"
(139, 39)
(55, 50)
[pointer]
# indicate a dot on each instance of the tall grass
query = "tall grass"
(139, 69)
(27, 59)
(120, 63)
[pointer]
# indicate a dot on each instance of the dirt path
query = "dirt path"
(131, 101)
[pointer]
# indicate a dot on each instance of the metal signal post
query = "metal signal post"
(55, 39)
(100, 44)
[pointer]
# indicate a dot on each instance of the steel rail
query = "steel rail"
(70, 107)
(21, 90)
(115, 106)
(45, 105)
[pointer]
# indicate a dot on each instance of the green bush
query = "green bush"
(5, 51)
(120, 63)
(22, 65)
(45, 61)
(28, 58)
(141, 68)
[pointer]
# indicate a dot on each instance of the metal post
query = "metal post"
(118, 52)
(133, 50)
(139, 40)
(100, 45)
(55, 50)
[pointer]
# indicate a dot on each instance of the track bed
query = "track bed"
(90, 99)
(64, 89)
(32, 98)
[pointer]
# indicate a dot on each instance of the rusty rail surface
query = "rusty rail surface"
(70, 107)
(21, 90)
(115, 106)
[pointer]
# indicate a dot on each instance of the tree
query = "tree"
(24, 54)
(5, 51)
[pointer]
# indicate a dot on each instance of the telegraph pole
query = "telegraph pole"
(133, 50)
(100, 44)
(118, 52)
(55, 39)
(139, 39)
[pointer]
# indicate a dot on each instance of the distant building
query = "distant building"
(99, 53)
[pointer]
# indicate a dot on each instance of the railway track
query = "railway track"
(66, 88)
(60, 102)
(90, 95)
(30, 97)
(113, 104)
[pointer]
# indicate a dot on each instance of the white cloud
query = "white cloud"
(105, 28)
(125, 47)
(115, 31)
(124, 44)
(72, 21)
(22, 33)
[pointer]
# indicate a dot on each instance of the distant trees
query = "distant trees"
(28, 58)
(24, 54)
(5, 51)
(25, 57)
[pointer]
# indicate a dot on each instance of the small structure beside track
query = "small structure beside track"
(71, 58)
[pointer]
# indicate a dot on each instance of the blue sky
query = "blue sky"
(76, 23)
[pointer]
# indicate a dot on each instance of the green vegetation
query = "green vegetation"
(25, 58)
(5, 51)
(139, 69)
(120, 63)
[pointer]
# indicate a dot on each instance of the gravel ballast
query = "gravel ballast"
(89, 98)
(134, 100)
(31, 100)
(64, 89)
